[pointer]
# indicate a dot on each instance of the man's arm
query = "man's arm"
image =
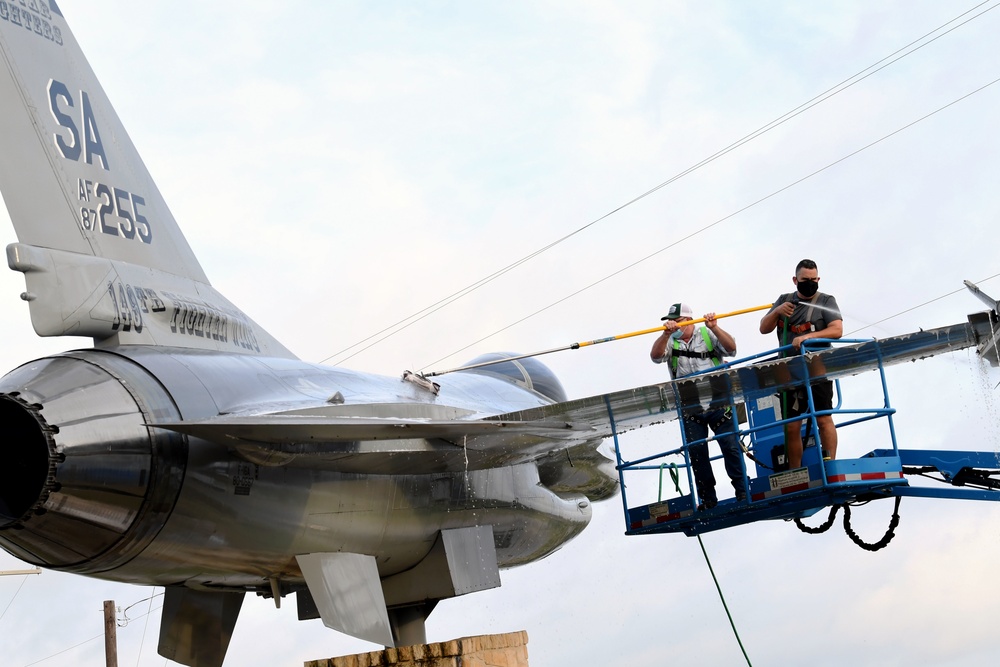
(725, 339)
(770, 321)
(833, 329)
(661, 346)
(659, 350)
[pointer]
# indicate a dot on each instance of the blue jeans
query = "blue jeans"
(696, 428)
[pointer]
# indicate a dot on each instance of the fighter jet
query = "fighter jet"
(187, 448)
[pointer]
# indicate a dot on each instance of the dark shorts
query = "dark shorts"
(795, 402)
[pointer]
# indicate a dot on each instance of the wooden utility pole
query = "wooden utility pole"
(110, 635)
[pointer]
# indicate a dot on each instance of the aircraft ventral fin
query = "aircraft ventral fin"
(348, 594)
(197, 626)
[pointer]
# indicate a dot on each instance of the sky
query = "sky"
(338, 167)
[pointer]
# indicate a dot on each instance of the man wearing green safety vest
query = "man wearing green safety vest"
(686, 351)
(798, 316)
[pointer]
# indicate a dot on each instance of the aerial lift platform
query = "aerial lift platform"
(751, 387)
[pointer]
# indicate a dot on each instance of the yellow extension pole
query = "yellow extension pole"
(684, 323)
(575, 346)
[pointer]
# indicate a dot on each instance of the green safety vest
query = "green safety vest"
(709, 352)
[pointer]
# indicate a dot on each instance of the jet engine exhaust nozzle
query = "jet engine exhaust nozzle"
(84, 483)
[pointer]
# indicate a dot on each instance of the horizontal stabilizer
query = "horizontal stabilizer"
(348, 593)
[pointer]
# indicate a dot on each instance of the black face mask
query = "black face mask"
(807, 287)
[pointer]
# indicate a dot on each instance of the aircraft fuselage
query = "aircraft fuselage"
(100, 490)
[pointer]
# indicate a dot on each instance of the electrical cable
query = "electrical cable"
(874, 546)
(722, 219)
(925, 303)
(87, 641)
(145, 626)
(802, 108)
(125, 615)
(24, 579)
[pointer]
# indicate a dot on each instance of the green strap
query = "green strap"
(674, 477)
(716, 359)
(784, 394)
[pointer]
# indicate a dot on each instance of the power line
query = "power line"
(879, 65)
(145, 626)
(721, 220)
(65, 650)
(13, 598)
(918, 306)
(87, 641)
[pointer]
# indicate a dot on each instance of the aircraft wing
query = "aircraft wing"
(420, 446)
(626, 410)
(385, 445)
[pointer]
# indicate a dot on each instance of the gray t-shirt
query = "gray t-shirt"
(813, 314)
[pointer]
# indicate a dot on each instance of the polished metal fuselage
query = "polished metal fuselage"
(128, 501)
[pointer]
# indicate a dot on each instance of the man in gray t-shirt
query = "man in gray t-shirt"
(800, 315)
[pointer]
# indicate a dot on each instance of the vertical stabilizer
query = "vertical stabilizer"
(102, 255)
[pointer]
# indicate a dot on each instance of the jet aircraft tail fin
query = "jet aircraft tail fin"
(102, 255)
